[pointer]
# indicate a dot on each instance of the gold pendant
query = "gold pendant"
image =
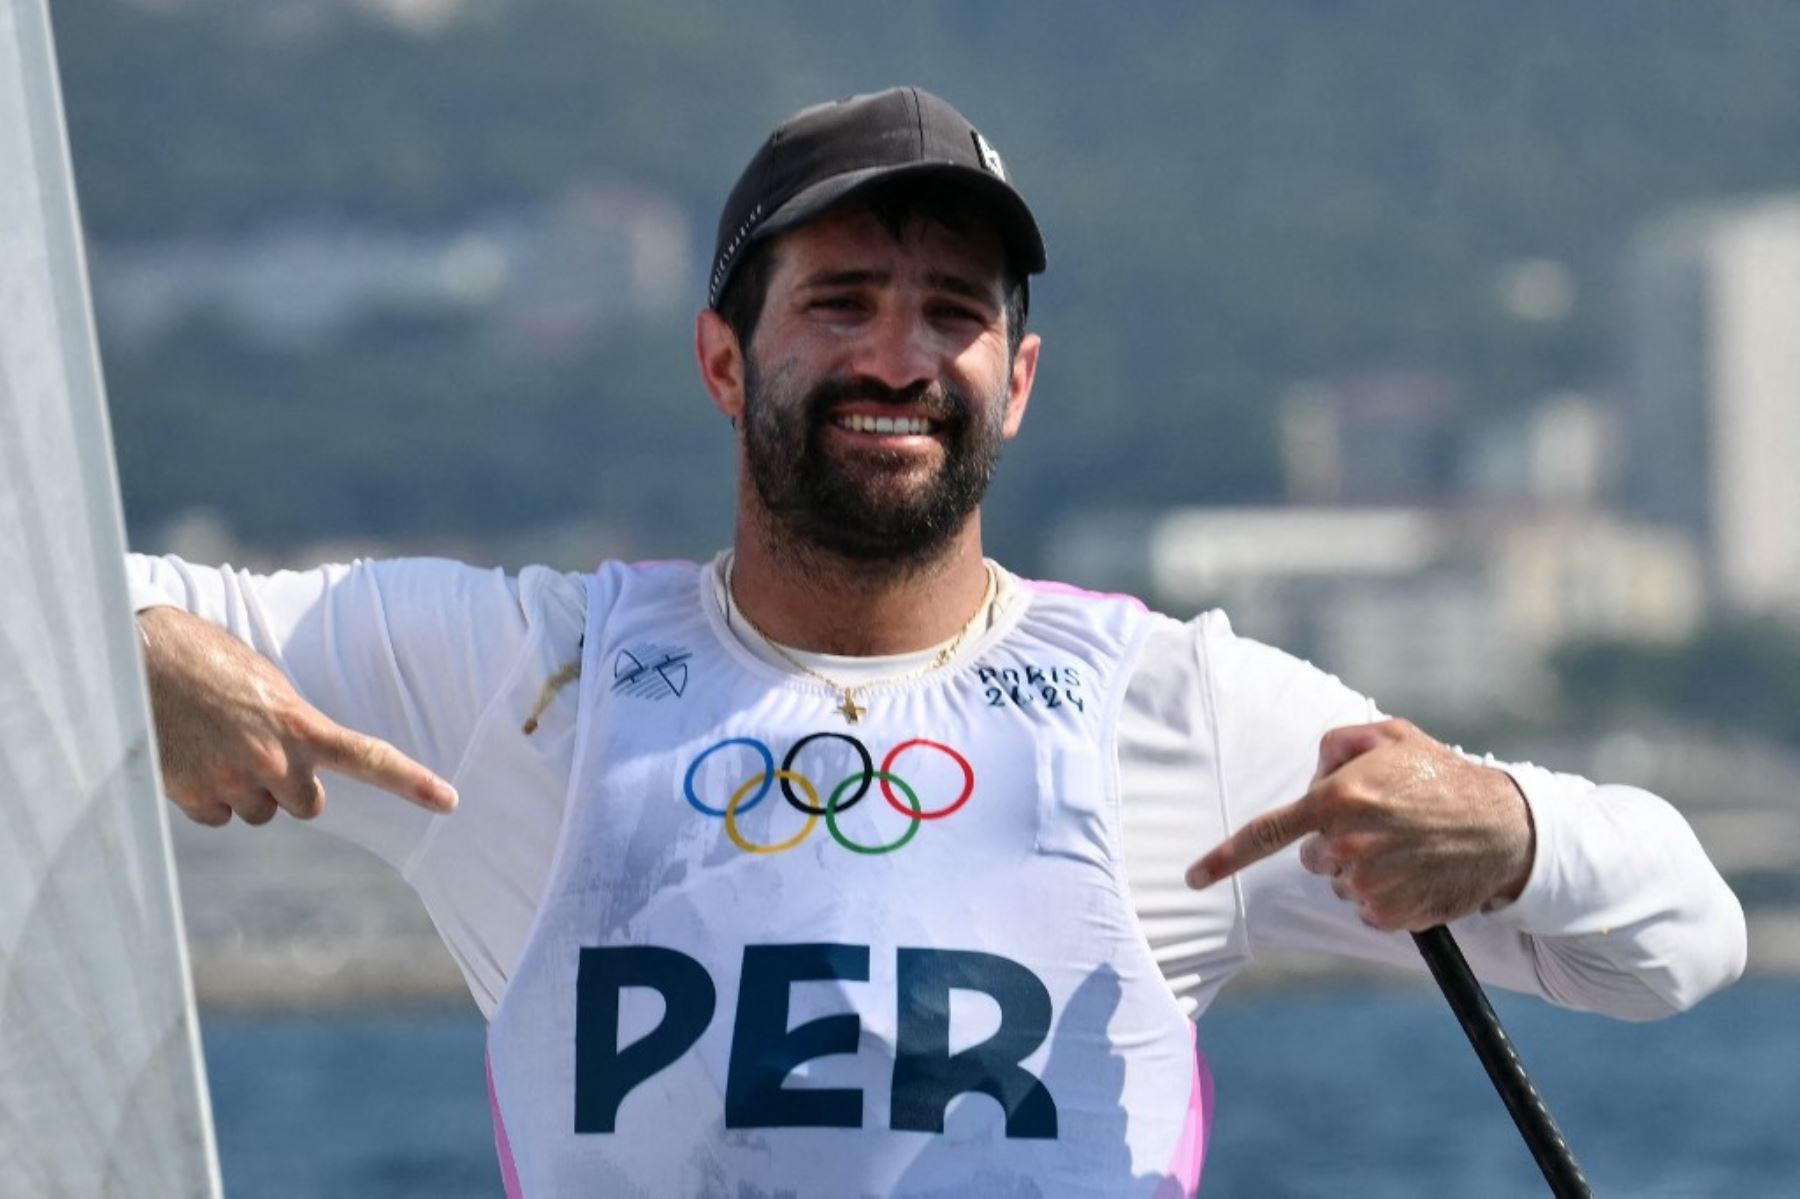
(849, 708)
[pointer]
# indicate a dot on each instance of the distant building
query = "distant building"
(1711, 416)
(1564, 453)
(1371, 437)
(1446, 613)
(1572, 574)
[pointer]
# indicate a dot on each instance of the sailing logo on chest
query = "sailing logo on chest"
(825, 777)
(653, 672)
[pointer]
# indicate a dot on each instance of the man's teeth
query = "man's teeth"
(856, 422)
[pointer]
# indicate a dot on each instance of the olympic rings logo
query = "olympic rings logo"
(840, 797)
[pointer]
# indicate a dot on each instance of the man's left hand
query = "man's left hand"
(1407, 829)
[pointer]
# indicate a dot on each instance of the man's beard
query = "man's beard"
(855, 505)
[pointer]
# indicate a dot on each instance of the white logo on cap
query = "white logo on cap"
(990, 157)
(730, 252)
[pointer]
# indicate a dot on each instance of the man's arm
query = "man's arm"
(236, 738)
(1408, 830)
(1318, 835)
(375, 671)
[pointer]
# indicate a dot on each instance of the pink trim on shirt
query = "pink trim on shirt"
(1049, 587)
(509, 1172)
(1183, 1175)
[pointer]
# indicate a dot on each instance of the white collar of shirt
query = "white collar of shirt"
(843, 667)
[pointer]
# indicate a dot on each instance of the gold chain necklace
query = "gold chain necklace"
(847, 692)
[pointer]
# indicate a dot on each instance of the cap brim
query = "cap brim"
(1025, 244)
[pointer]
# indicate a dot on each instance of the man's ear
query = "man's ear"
(1018, 387)
(721, 362)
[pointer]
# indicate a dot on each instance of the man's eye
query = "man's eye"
(836, 304)
(955, 312)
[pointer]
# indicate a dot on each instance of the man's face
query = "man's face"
(877, 386)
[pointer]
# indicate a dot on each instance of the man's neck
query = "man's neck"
(812, 599)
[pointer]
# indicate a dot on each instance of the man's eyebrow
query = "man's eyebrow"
(963, 286)
(853, 277)
(960, 285)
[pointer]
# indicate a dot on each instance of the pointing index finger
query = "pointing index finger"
(373, 761)
(1268, 834)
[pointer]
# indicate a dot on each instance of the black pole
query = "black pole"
(1502, 1063)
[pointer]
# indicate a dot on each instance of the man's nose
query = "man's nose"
(897, 350)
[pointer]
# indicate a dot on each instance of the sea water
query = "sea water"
(1337, 1090)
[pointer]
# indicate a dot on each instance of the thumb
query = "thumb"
(1349, 742)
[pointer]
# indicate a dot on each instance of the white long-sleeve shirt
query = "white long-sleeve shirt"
(1622, 913)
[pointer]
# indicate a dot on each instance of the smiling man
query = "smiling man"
(856, 448)
(849, 862)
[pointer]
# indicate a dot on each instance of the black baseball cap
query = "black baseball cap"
(822, 156)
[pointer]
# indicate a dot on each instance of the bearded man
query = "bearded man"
(850, 862)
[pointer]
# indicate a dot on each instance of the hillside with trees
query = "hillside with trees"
(1236, 196)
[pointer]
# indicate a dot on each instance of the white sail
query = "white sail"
(101, 1086)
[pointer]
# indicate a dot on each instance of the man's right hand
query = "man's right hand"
(236, 737)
